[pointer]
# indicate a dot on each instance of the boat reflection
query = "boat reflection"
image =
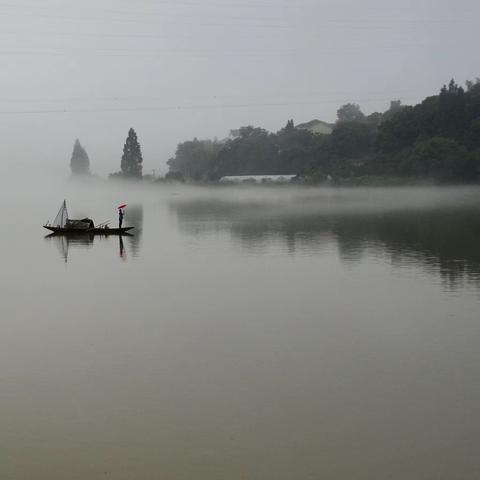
(133, 217)
(84, 241)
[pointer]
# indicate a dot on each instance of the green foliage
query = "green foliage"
(350, 112)
(131, 164)
(395, 107)
(194, 159)
(295, 149)
(438, 139)
(472, 84)
(253, 152)
(438, 158)
(447, 115)
(79, 162)
(434, 138)
(352, 139)
(472, 136)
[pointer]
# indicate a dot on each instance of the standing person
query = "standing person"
(120, 217)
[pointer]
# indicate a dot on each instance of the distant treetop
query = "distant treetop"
(350, 112)
(79, 163)
(438, 139)
(132, 159)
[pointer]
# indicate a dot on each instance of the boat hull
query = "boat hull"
(88, 231)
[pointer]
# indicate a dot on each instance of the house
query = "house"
(316, 126)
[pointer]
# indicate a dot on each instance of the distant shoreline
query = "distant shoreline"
(364, 181)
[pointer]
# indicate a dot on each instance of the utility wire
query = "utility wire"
(146, 20)
(119, 98)
(188, 107)
(115, 52)
(350, 23)
(96, 35)
(202, 4)
(149, 14)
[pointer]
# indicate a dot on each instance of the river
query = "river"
(241, 333)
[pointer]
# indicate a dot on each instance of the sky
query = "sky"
(175, 70)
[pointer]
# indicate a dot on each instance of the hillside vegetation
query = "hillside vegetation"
(437, 139)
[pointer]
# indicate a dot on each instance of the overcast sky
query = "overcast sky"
(174, 70)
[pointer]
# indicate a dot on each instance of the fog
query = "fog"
(178, 70)
(238, 332)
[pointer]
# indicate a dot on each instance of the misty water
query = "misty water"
(268, 333)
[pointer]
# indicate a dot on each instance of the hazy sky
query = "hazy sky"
(178, 69)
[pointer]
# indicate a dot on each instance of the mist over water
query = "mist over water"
(240, 333)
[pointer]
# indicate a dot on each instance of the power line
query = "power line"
(191, 107)
(119, 98)
(203, 4)
(97, 35)
(116, 52)
(149, 14)
(149, 20)
(350, 23)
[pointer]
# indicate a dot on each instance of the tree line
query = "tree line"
(131, 164)
(438, 139)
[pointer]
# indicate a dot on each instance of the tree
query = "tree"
(194, 159)
(350, 112)
(440, 158)
(352, 139)
(452, 118)
(295, 150)
(132, 159)
(79, 163)
(395, 107)
(471, 84)
(438, 138)
(253, 152)
(472, 136)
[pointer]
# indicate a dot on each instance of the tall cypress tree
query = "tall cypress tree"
(79, 163)
(132, 156)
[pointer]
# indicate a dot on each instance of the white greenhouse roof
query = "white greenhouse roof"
(257, 178)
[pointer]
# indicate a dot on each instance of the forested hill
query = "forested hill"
(436, 139)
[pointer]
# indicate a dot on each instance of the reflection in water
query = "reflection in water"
(134, 218)
(122, 253)
(64, 242)
(261, 318)
(444, 241)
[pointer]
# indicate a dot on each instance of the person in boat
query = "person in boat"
(120, 217)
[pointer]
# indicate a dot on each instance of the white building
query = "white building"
(257, 179)
(316, 126)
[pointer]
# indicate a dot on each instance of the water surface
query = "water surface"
(242, 334)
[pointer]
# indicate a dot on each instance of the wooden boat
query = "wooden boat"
(62, 225)
(89, 231)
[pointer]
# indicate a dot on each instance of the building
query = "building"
(316, 126)
(257, 179)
